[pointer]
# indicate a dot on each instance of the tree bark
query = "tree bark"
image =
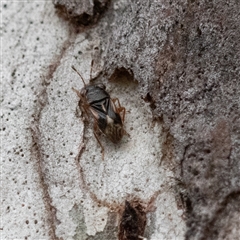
(177, 175)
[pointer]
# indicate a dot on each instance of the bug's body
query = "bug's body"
(94, 100)
(104, 111)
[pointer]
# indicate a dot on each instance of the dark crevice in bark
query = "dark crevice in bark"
(81, 13)
(133, 222)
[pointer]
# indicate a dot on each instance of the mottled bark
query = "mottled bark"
(185, 56)
(179, 178)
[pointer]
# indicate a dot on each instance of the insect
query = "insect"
(107, 112)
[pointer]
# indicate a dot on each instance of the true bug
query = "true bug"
(108, 117)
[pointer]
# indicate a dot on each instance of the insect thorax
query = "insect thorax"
(94, 93)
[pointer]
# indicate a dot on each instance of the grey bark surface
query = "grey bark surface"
(178, 174)
(185, 56)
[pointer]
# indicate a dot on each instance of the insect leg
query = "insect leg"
(81, 103)
(116, 100)
(119, 108)
(122, 109)
(96, 136)
(84, 110)
(79, 75)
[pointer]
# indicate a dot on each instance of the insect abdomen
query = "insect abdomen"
(113, 131)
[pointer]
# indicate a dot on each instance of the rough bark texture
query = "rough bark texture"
(186, 57)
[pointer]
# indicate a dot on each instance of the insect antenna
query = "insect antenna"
(79, 75)
(77, 92)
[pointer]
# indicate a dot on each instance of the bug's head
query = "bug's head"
(102, 86)
(83, 92)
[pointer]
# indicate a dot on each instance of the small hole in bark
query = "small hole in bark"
(192, 155)
(199, 31)
(121, 74)
(196, 189)
(188, 204)
(195, 172)
(14, 72)
(207, 151)
(149, 98)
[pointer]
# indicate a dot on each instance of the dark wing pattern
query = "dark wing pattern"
(95, 94)
(102, 109)
(100, 115)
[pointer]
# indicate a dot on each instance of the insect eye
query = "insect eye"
(102, 86)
